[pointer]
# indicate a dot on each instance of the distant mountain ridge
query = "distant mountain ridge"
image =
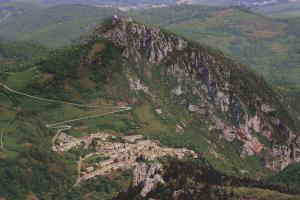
(238, 2)
(251, 3)
(137, 3)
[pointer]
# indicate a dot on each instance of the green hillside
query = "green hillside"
(290, 176)
(96, 72)
(19, 55)
(195, 87)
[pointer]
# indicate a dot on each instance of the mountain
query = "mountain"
(263, 43)
(233, 98)
(256, 40)
(180, 92)
(269, 46)
(238, 32)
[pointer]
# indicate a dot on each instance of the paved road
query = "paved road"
(79, 171)
(2, 133)
(51, 100)
(63, 126)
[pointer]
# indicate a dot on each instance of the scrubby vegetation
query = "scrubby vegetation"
(19, 55)
(290, 177)
(197, 180)
(63, 63)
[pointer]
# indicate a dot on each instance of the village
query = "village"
(114, 152)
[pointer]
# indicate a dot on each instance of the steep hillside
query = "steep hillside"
(179, 92)
(225, 94)
(289, 176)
(269, 46)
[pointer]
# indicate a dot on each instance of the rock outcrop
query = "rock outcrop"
(147, 177)
(223, 92)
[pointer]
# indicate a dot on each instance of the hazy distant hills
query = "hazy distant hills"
(277, 8)
(155, 2)
(237, 2)
(97, 2)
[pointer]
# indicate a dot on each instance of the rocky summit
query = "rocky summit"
(133, 111)
(224, 94)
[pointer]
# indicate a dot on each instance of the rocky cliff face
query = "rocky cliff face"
(232, 98)
(147, 177)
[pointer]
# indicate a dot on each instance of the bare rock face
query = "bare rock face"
(138, 37)
(254, 123)
(226, 94)
(266, 108)
(222, 101)
(192, 108)
(137, 85)
(139, 174)
(147, 176)
(285, 154)
(178, 91)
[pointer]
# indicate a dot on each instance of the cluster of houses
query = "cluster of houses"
(121, 154)
(66, 142)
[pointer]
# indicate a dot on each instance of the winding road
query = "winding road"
(62, 126)
(3, 131)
